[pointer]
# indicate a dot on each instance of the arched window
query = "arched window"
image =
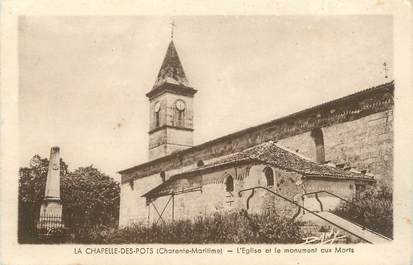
(317, 135)
(180, 108)
(180, 118)
(157, 109)
(229, 183)
(200, 163)
(269, 176)
(157, 122)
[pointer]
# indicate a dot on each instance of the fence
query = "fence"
(46, 228)
(52, 229)
(49, 222)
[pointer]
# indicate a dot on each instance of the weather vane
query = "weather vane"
(385, 70)
(172, 29)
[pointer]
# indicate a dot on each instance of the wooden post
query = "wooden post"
(149, 214)
(173, 207)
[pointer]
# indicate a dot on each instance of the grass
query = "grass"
(235, 227)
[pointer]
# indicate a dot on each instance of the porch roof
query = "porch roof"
(269, 153)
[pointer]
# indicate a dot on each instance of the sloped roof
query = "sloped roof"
(171, 70)
(269, 153)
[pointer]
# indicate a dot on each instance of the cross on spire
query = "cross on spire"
(385, 70)
(172, 29)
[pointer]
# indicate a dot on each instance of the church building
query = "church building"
(313, 158)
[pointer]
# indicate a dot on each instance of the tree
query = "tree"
(89, 197)
(32, 182)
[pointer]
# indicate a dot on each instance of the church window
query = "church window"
(180, 112)
(157, 123)
(180, 118)
(157, 111)
(269, 176)
(317, 135)
(229, 183)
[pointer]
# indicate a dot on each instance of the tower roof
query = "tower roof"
(171, 70)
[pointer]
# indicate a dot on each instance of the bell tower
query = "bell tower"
(170, 108)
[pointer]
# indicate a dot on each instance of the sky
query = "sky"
(82, 80)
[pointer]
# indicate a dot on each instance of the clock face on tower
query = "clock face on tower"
(157, 106)
(180, 105)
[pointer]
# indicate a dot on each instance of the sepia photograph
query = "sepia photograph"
(206, 129)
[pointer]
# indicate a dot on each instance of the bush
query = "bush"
(373, 210)
(235, 227)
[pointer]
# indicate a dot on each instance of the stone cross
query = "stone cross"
(385, 70)
(172, 29)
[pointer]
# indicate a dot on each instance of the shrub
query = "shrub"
(234, 227)
(373, 210)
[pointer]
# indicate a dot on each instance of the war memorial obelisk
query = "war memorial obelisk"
(51, 208)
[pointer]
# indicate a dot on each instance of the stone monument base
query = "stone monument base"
(50, 214)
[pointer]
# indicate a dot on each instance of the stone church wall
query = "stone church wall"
(163, 101)
(213, 198)
(157, 144)
(178, 136)
(365, 143)
(132, 205)
(346, 189)
(171, 111)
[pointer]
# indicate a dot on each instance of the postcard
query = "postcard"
(189, 133)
